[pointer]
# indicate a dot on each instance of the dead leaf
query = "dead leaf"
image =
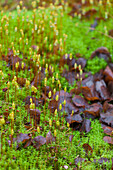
(38, 141)
(108, 139)
(49, 138)
(35, 114)
(102, 52)
(86, 126)
(71, 138)
(107, 118)
(108, 74)
(101, 88)
(75, 118)
(87, 148)
(21, 81)
(79, 101)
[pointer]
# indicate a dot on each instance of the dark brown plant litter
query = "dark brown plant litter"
(102, 52)
(87, 148)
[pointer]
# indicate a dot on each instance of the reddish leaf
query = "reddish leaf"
(108, 130)
(6, 114)
(87, 148)
(49, 138)
(108, 139)
(38, 141)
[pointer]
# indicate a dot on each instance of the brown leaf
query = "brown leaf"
(21, 81)
(79, 101)
(111, 32)
(110, 87)
(88, 89)
(53, 104)
(46, 90)
(82, 62)
(49, 138)
(102, 89)
(108, 105)
(34, 99)
(108, 139)
(75, 118)
(28, 143)
(107, 118)
(21, 138)
(38, 141)
(90, 93)
(94, 110)
(108, 74)
(102, 52)
(35, 114)
(108, 130)
(86, 126)
(87, 148)
(38, 79)
(90, 13)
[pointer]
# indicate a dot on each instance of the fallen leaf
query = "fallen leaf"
(75, 118)
(102, 52)
(87, 148)
(71, 138)
(35, 114)
(94, 110)
(86, 126)
(77, 160)
(79, 101)
(108, 74)
(108, 139)
(38, 141)
(101, 88)
(49, 138)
